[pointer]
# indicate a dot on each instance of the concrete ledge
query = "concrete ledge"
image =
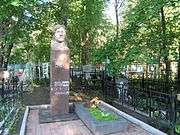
(34, 107)
(141, 124)
(23, 125)
(98, 127)
(26, 113)
(24, 122)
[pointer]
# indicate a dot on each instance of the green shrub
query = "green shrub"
(101, 115)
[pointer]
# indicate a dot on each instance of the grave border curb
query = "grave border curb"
(25, 117)
(132, 119)
(23, 125)
(139, 123)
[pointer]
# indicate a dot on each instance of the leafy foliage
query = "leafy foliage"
(32, 21)
(146, 36)
(101, 115)
(149, 33)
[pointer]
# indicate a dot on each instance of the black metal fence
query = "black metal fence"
(10, 102)
(154, 99)
(149, 99)
(87, 81)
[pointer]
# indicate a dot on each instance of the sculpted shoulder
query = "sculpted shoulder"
(58, 46)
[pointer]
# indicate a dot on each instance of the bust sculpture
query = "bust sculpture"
(59, 77)
(59, 43)
(59, 33)
(59, 71)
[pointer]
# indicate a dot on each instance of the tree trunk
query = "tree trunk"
(85, 47)
(1, 59)
(164, 43)
(146, 70)
(158, 71)
(84, 55)
(63, 17)
(178, 76)
(2, 53)
(10, 46)
(117, 19)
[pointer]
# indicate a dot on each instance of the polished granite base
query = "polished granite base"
(45, 116)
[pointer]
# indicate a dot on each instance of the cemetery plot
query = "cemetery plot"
(113, 125)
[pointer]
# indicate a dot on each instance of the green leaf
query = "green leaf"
(16, 3)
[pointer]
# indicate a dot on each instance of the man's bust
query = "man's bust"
(59, 38)
(59, 44)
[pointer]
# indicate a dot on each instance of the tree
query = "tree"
(86, 17)
(147, 36)
(117, 6)
(13, 22)
(32, 37)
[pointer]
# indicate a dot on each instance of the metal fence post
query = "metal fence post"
(150, 102)
(133, 94)
(143, 82)
(21, 89)
(172, 112)
(114, 87)
(103, 83)
(2, 94)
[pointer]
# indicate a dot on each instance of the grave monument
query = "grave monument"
(59, 109)
(59, 72)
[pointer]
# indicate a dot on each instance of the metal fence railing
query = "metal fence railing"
(10, 102)
(152, 98)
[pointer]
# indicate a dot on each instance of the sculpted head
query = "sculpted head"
(59, 33)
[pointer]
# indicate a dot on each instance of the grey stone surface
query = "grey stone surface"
(98, 127)
(139, 123)
(45, 115)
(23, 125)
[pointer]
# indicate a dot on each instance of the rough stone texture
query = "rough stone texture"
(45, 115)
(100, 127)
(2, 70)
(75, 127)
(59, 73)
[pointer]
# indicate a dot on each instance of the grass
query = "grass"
(101, 115)
(177, 128)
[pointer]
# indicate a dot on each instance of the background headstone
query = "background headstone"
(2, 72)
(88, 70)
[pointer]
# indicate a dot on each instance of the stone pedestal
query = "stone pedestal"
(59, 83)
(59, 79)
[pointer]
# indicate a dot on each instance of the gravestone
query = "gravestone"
(59, 72)
(88, 70)
(59, 110)
(45, 67)
(2, 73)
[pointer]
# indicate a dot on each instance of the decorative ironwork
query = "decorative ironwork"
(10, 101)
(146, 95)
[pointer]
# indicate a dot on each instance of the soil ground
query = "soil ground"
(37, 96)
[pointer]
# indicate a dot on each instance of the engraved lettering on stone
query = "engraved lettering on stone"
(57, 84)
(65, 83)
(61, 87)
(59, 72)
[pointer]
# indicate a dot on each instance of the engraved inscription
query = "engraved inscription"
(61, 88)
(61, 83)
